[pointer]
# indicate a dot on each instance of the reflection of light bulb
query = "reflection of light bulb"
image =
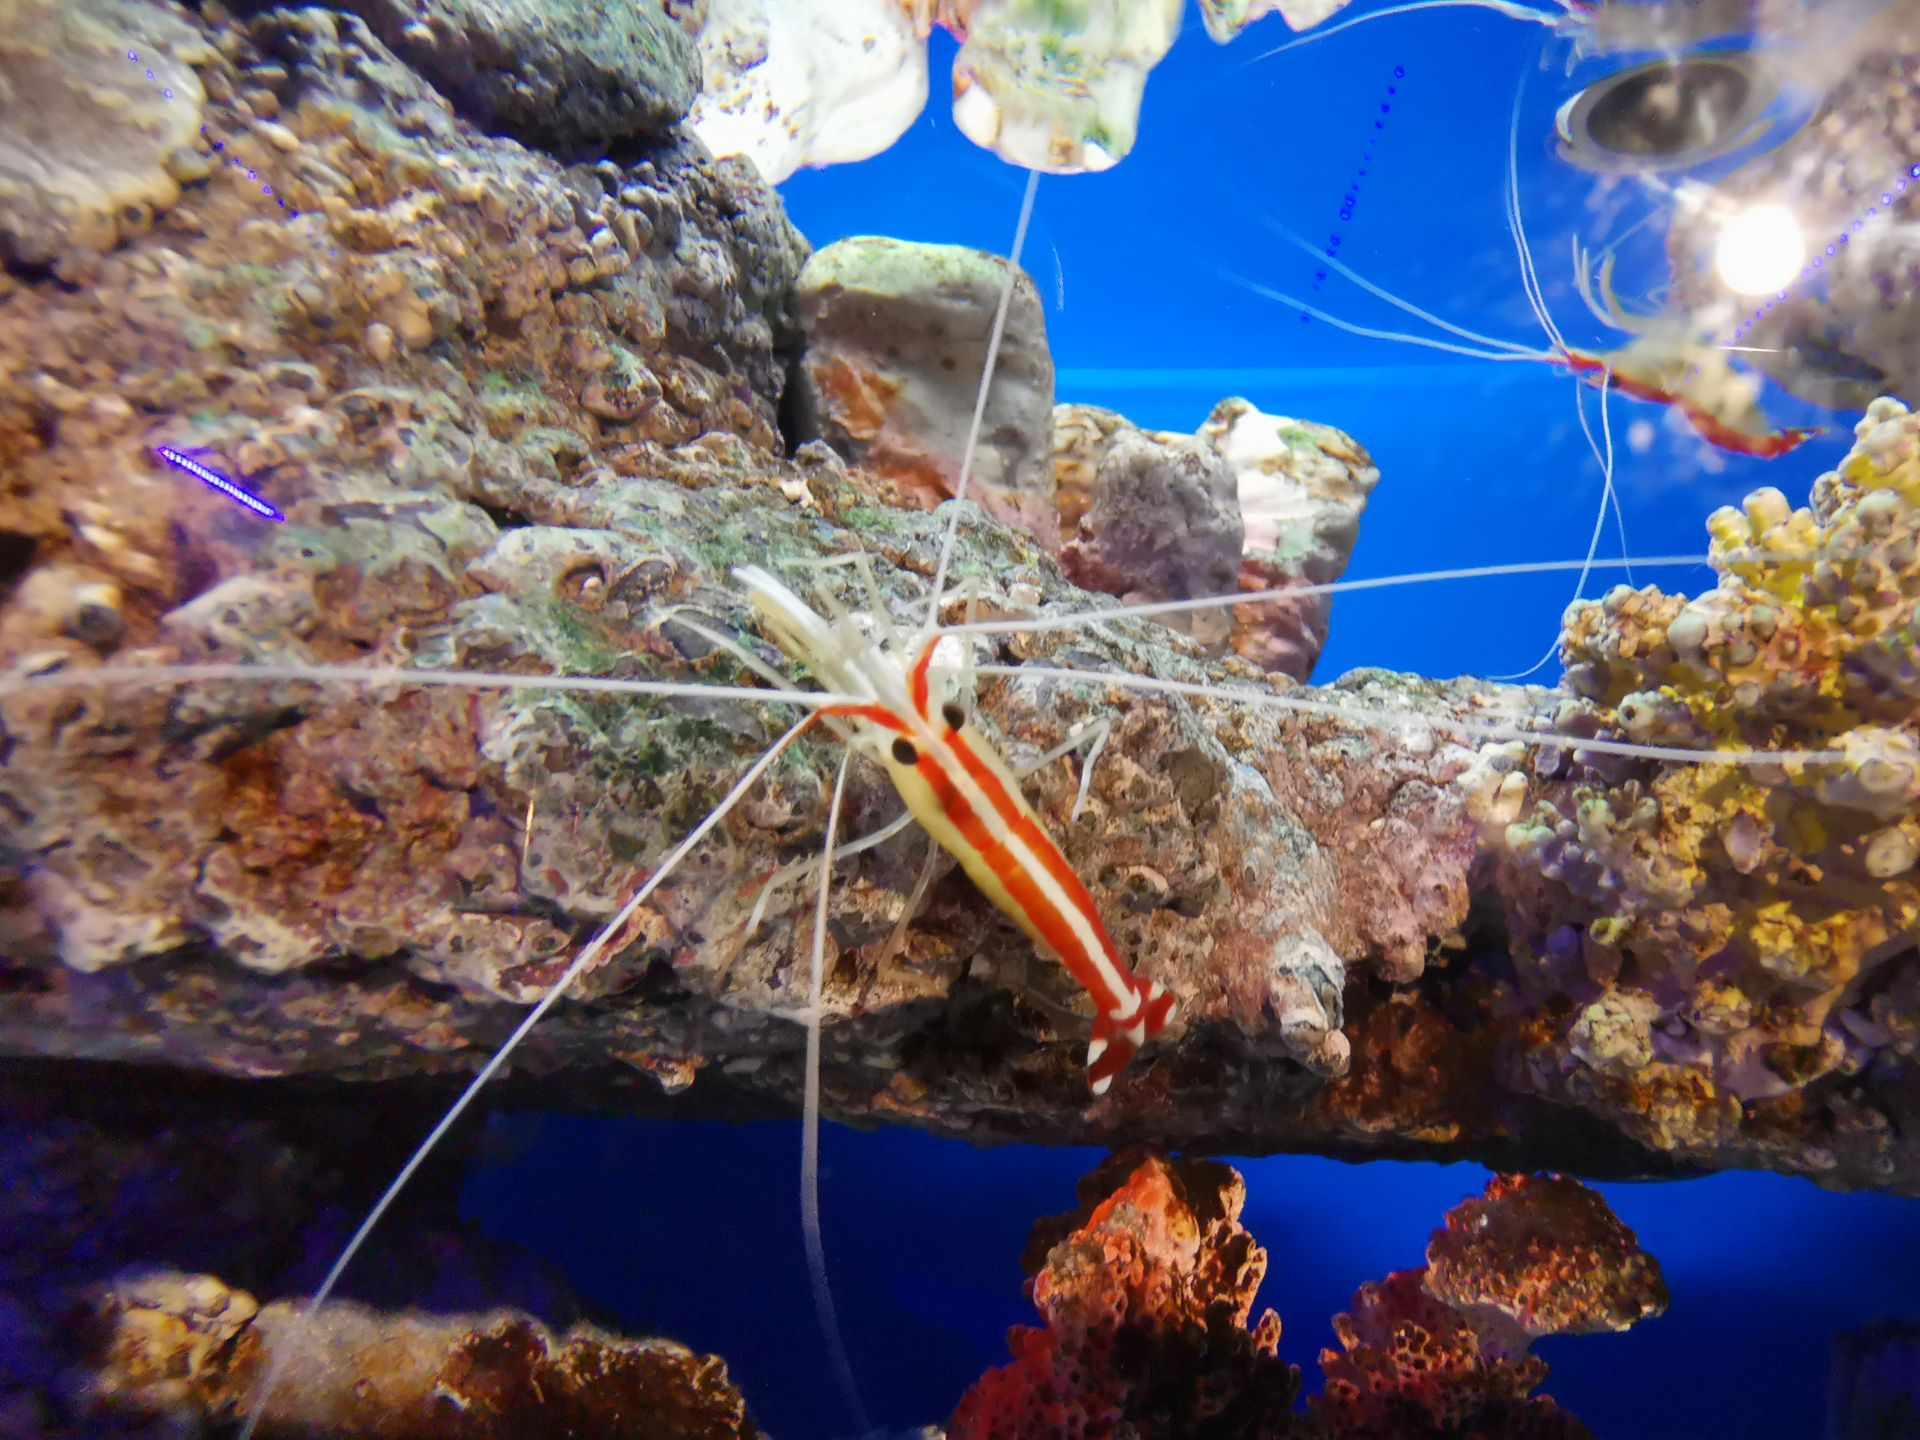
(1760, 250)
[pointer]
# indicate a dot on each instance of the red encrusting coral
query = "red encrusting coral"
(1148, 1288)
(1414, 1368)
(1146, 1302)
(1545, 1253)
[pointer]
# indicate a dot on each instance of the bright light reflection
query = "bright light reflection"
(1760, 250)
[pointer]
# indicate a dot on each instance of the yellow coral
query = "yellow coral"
(1792, 879)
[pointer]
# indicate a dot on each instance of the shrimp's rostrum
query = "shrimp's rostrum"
(961, 791)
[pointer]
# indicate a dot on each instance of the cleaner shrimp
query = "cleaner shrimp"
(790, 623)
(1666, 363)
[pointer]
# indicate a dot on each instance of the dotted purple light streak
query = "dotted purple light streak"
(215, 480)
(1818, 263)
(266, 187)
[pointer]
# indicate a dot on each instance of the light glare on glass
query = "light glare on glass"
(1760, 250)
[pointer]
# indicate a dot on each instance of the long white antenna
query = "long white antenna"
(1501, 7)
(296, 1336)
(810, 1123)
(980, 401)
(1347, 272)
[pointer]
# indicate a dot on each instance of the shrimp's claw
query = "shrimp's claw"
(1115, 1039)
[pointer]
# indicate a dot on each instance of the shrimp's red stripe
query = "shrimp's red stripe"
(921, 666)
(1016, 821)
(1010, 819)
(875, 714)
(1044, 917)
(1764, 445)
(1085, 968)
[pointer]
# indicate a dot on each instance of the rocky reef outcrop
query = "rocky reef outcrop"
(523, 418)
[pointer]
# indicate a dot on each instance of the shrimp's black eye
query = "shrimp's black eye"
(953, 714)
(904, 753)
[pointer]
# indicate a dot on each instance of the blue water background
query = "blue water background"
(693, 1231)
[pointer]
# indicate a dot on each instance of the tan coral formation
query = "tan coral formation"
(1546, 1255)
(191, 1349)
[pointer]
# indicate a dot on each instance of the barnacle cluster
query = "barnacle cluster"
(1736, 914)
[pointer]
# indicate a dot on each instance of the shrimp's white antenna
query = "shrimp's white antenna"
(1599, 518)
(1347, 272)
(283, 1355)
(1369, 332)
(1501, 7)
(980, 401)
(1536, 298)
(810, 1104)
(810, 1123)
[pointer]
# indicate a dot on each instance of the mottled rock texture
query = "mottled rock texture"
(1303, 488)
(521, 419)
(1147, 515)
(896, 339)
(572, 76)
(795, 83)
(1254, 503)
(101, 105)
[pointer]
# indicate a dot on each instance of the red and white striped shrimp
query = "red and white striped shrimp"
(954, 782)
(962, 793)
(1666, 363)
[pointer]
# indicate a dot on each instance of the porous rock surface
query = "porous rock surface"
(897, 335)
(1147, 515)
(568, 75)
(794, 83)
(127, 1192)
(190, 1347)
(522, 419)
